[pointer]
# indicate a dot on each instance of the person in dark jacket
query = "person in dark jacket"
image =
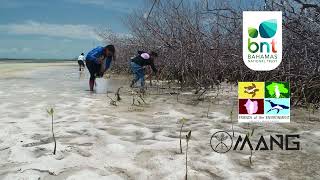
(137, 64)
(98, 61)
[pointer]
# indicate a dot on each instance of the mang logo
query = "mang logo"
(262, 39)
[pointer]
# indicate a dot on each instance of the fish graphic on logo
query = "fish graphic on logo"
(251, 90)
(251, 106)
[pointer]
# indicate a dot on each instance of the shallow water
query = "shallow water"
(96, 140)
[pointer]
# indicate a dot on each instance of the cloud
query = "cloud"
(73, 31)
(123, 6)
(15, 50)
(9, 50)
(95, 2)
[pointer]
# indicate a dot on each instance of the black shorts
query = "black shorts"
(81, 63)
(94, 69)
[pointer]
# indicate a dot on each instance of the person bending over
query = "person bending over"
(137, 64)
(81, 60)
(98, 61)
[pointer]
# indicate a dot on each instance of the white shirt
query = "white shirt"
(81, 57)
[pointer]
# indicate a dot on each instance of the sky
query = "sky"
(58, 29)
(63, 29)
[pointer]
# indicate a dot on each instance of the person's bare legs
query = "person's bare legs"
(91, 84)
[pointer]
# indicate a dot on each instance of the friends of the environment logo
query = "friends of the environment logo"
(262, 39)
(264, 102)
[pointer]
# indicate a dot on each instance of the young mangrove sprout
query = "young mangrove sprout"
(187, 138)
(133, 98)
(118, 94)
(112, 102)
(211, 101)
(217, 95)
(250, 135)
(311, 108)
(51, 112)
(177, 97)
(209, 105)
(141, 97)
(183, 121)
(231, 118)
(200, 97)
(136, 96)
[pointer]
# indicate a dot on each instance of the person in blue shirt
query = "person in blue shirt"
(95, 60)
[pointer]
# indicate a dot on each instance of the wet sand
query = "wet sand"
(96, 140)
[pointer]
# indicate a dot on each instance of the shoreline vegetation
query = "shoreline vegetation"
(200, 44)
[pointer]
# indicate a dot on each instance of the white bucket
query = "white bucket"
(101, 85)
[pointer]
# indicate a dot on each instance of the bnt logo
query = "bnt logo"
(262, 39)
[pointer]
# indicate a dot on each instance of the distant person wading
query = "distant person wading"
(81, 60)
(98, 61)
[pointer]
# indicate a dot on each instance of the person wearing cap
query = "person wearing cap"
(137, 66)
(98, 61)
(81, 60)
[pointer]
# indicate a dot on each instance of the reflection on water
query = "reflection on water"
(81, 75)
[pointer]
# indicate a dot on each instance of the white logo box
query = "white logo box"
(254, 19)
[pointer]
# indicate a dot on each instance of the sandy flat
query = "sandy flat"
(96, 140)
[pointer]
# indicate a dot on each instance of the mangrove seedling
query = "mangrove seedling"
(177, 97)
(197, 90)
(211, 101)
(118, 94)
(136, 96)
(209, 105)
(183, 121)
(133, 99)
(200, 98)
(250, 135)
(112, 102)
(188, 136)
(311, 108)
(51, 112)
(231, 114)
(141, 97)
